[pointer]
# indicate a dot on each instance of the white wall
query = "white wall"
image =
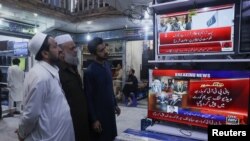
(134, 57)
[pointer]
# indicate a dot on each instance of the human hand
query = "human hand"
(117, 111)
(19, 137)
(97, 127)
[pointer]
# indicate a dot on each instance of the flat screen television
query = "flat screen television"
(245, 26)
(199, 97)
(20, 48)
(207, 30)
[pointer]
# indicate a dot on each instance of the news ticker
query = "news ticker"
(227, 131)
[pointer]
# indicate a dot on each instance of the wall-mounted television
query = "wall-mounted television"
(20, 49)
(207, 30)
(245, 26)
(199, 97)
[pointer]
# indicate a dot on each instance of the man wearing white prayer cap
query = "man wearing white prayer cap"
(72, 86)
(46, 113)
(66, 43)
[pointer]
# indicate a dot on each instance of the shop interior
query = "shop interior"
(177, 49)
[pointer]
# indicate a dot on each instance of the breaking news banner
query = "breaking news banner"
(227, 131)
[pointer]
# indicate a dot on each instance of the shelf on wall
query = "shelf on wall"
(86, 53)
(4, 66)
(110, 55)
(3, 83)
(119, 58)
(115, 54)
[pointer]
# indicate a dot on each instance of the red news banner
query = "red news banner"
(220, 94)
(196, 41)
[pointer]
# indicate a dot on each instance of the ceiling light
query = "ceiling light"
(35, 14)
(89, 22)
(88, 37)
(0, 5)
(205, 9)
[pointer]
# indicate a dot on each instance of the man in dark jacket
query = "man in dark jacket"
(131, 86)
(72, 86)
(98, 84)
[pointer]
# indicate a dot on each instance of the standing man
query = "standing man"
(72, 86)
(46, 113)
(15, 80)
(102, 105)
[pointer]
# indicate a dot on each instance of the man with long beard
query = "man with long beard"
(72, 86)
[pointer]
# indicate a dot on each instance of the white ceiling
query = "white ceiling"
(47, 23)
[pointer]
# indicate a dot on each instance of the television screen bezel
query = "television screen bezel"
(236, 39)
(235, 72)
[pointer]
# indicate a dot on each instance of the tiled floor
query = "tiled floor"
(130, 118)
(7, 129)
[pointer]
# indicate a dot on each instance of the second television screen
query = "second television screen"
(205, 30)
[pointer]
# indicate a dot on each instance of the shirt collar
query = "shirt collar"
(101, 65)
(52, 69)
(65, 66)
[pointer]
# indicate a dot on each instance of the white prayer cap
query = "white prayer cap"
(36, 42)
(63, 39)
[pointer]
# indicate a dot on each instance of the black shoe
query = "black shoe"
(17, 112)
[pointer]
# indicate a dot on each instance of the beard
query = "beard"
(103, 58)
(70, 59)
(53, 59)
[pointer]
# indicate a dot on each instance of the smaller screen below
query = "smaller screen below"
(199, 97)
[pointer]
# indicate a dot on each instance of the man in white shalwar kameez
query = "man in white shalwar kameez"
(15, 84)
(46, 114)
